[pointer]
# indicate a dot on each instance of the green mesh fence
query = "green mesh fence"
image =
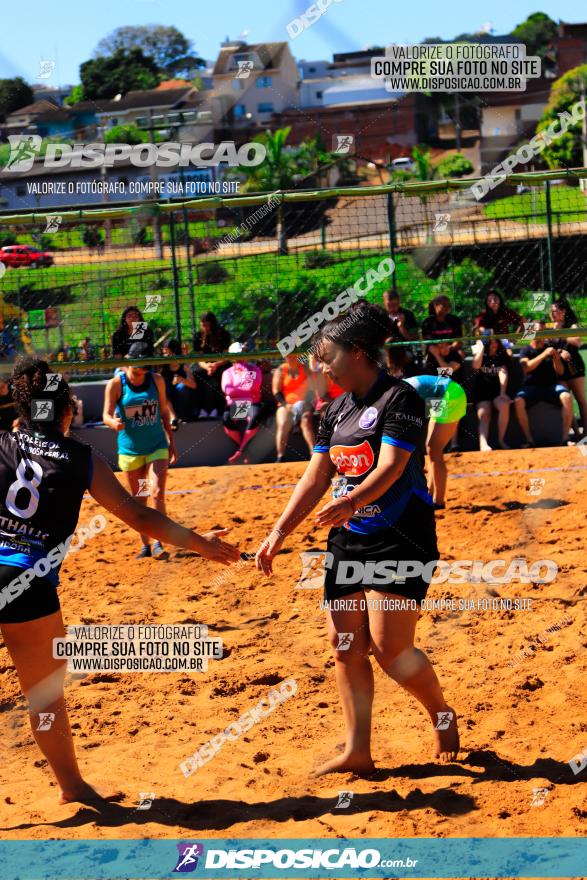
(264, 263)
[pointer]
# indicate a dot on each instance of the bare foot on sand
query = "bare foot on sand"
(361, 765)
(85, 794)
(446, 741)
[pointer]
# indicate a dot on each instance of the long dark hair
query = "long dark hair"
(208, 336)
(123, 325)
(570, 315)
(364, 326)
(502, 306)
(487, 340)
(28, 383)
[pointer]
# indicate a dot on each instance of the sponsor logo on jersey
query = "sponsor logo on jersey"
(369, 510)
(368, 418)
(353, 461)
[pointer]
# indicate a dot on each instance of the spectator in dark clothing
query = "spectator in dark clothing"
(491, 363)
(132, 328)
(180, 386)
(443, 359)
(404, 322)
(441, 323)
(497, 317)
(563, 317)
(211, 339)
(543, 381)
(404, 329)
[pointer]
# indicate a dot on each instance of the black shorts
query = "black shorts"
(412, 538)
(38, 600)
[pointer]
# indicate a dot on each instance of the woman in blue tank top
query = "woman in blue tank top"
(135, 406)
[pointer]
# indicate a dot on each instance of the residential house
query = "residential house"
(509, 119)
(345, 80)
(252, 82)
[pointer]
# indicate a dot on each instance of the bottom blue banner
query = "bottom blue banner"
(305, 857)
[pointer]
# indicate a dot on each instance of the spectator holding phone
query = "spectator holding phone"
(543, 381)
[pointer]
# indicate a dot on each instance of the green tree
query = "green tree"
(565, 149)
(126, 134)
(76, 95)
(467, 284)
(537, 32)
(279, 170)
(103, 78)
(14, 94)
(456, 165)
(171, 51)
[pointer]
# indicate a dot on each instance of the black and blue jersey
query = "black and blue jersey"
(43, 477)
(352, 431)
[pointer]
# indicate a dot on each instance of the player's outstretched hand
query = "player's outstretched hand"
(217, 550)
(267, 552)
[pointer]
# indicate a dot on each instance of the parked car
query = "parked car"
(403, 164)
(16, 255)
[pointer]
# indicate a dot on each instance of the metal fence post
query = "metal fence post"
(549, 250)
(175, 280)
(186, 229)
(392, 236)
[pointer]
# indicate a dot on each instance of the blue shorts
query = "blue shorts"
(548, 393)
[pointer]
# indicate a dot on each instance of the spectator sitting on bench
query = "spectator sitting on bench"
(132, 328)
(212, 338)
(543, 372)
(241, 384)
(491, 364)
(180, 385)
(294, 392)
(497, 317)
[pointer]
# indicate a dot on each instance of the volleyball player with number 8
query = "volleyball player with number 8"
(43, 477)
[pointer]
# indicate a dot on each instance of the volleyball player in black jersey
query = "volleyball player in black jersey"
(43, 477)
(381, 512)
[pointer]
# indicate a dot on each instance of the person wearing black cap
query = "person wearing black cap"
(135, 406)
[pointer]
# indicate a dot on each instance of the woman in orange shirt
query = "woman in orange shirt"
(293, 389)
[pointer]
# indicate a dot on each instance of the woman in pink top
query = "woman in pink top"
(241, 385)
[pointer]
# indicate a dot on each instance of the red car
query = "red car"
(16, 255)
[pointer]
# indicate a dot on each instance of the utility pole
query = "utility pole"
(458, 121)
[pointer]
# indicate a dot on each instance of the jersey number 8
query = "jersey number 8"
(31, 486)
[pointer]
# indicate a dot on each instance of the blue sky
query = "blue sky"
(67, 31)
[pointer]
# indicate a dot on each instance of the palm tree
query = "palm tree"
(278, 171)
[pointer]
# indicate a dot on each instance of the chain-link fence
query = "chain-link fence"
(264, 263)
